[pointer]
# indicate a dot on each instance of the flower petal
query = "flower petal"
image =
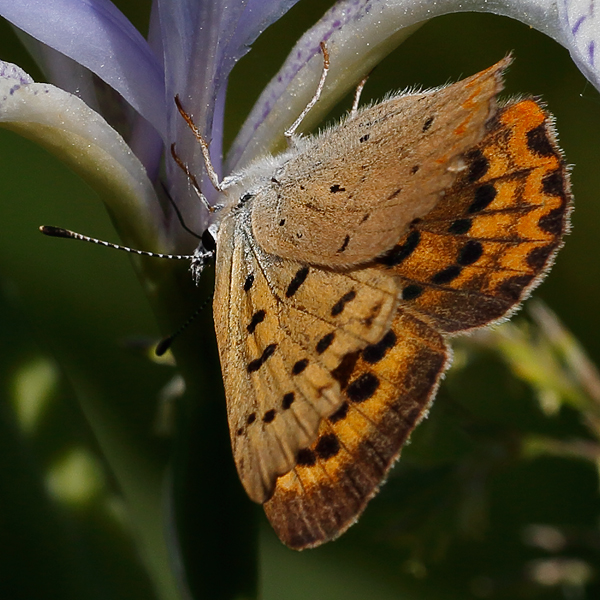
(359, 33)
(67, 127)
(580, 21)
(61, 70)
(202, 42)
(97, 35)
(73, 77)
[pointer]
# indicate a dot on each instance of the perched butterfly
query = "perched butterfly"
(343, 264)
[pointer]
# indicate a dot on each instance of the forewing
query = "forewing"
(352, 192)
(284, 332)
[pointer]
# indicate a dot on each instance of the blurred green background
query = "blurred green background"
(84, 424)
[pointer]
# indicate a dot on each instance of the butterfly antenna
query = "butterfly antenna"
(59, 232)
(165, 343)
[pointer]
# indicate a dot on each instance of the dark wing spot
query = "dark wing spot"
(299, 366)
(336, 188)
(460, 226)
(254, 365)
(269, 416)
(282, 223)
(257, 363)
(363, 388)
(251, 418)
(297, 281)
(364, 138)
(400, 252)
(394, 194)
(248, 283)
(288, 400)
(538, 142)
(327, 446)
(344, 370)
(478, 165)
(269, 351)
(340, 414)
(257, 317)
(427, 124)
(365, 217)
(513, 286)
(412, 291)
(537, 258)
(239, 431)
(325, 342)
(338, 307)
(375, 310)
(470, 253)
(553, 222)
(306, 458)
(344, 245)
(446, 275)
(484, 196)
(414, 169)
(553, 184)
(375, 352)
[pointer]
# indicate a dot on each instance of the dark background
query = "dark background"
(453, 519)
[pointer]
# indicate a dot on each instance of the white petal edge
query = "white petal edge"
(359, 34)
(79, 136)
(580, 21)
(97, 34)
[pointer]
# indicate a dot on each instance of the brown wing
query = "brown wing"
(283, 330)
(466, 264)
(352, 192)
(387, 390)
(475, 256)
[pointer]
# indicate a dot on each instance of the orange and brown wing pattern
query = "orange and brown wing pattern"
(386, 389)
(468, 263)
(475, 256)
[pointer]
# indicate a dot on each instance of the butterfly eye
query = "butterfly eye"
(208, 241)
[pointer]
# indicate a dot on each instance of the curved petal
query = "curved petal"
(97, 35)
(74, 78)
(61, 70)
(580, 21)
(359, 33)
(68, 128)
(358, 36)
(202, 42)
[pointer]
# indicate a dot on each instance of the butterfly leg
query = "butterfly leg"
(357, 95)
(290, 133)
(210, 170)
(192, 178)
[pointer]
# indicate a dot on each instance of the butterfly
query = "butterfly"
(345, 263)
